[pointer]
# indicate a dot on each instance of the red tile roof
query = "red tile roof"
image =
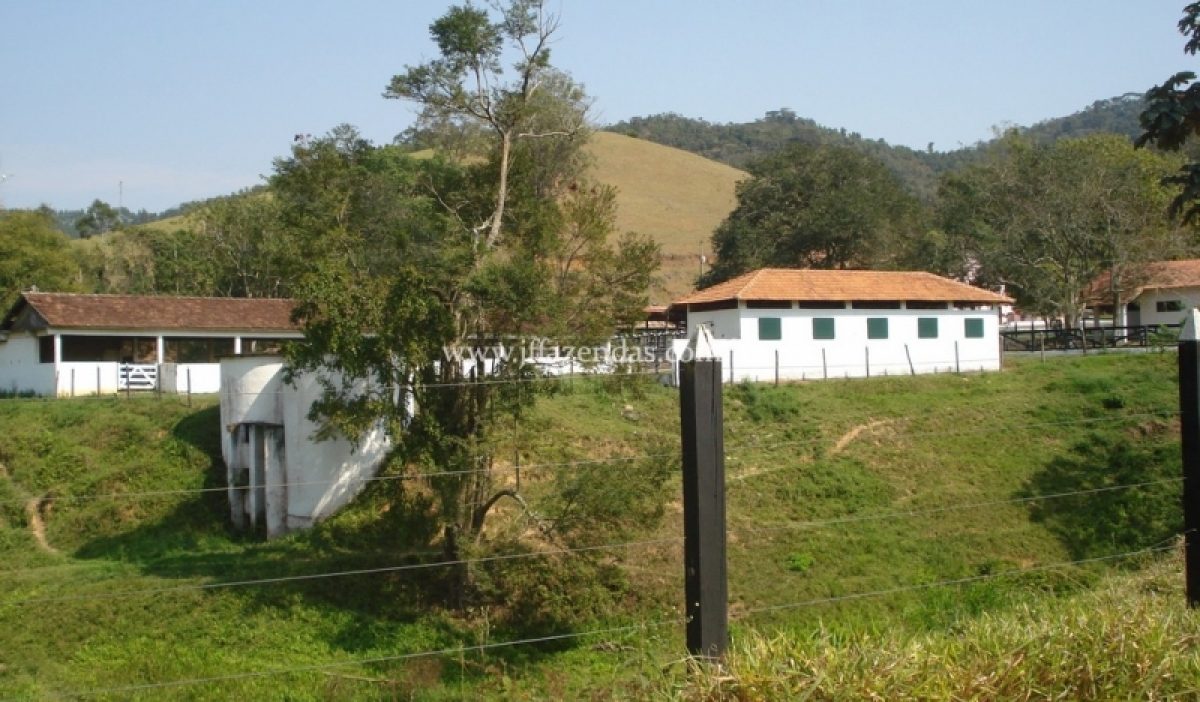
(1155, 275)
(146, 312)
(787, 284)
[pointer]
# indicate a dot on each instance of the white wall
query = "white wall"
(800, 356)
(19, 367)
(79, 378)
(1190, 297)
(315, 478)
(723, 324)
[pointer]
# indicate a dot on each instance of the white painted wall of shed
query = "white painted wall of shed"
(19, 367)
(205, 378)
(79, 378)
(723, 324)
(1148, 300)
(849, 353)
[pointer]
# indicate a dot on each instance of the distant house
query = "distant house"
(60, 344)
(1160, 293)
(813, 324)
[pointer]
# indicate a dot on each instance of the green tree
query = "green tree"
(99, 218)
(1046, 221)
(814, 207)
(33, 253)
(1172, 115)
(466, 83)
(388, 245)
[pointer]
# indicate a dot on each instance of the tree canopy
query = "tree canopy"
(1046, 221)
(814, 207)
(33, 253)
(1172, 116)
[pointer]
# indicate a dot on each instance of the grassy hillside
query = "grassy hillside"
(837, 490)
(675, 196)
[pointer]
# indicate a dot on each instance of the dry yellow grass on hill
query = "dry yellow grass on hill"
(675, 196)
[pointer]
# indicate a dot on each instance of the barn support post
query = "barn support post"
(824, 365)
(704, 547)
(776, 367)
(957, 368)
(1189, 426)
(868, 350)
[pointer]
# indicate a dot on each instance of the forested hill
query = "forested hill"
(738, 144)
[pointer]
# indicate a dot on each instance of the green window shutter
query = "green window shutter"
(927, 328)
(823, 328)
(974, 328)
(877, 328)
(769, 329)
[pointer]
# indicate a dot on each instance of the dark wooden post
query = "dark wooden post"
(705, 585)
(1189, 420)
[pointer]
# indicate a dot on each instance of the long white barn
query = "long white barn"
(61, 344)
(813, 324)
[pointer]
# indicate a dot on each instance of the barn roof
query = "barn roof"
(150, 312)
(787, 284)
(1158, 275)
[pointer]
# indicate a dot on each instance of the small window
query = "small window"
(927, 328)
(1169, 305)
(45, 349)
(877, 328)
(823, 328)
(973, 328)
(769, 329)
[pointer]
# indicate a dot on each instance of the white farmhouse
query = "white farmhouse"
(1160, 293)
(60, 344)
(814, 324)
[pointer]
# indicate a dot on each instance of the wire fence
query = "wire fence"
(734, 453)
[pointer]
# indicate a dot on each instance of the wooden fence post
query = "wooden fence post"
(705, 583)
(1189, 421)
(868, 349)
(908, 355)
(776, 367)
(957, 368)
(824, 365)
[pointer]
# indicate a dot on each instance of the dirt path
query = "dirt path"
(33, 510)
(851, 435)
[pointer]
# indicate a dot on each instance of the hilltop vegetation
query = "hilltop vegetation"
(739, 144)
(836, 489)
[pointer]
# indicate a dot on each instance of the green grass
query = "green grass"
(803, 459)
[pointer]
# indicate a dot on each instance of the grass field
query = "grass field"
(837, 489)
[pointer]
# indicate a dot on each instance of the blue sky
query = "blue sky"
(184, 100)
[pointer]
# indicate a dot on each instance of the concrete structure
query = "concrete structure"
(59, 344)
(809, 324)
(279, 477)
(1160, 293)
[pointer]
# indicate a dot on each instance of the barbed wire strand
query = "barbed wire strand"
(951, 508)
(730, 455)
(356, 481)
(337, 574)
(993, 429)
(363, 661)
(811, 524)
(956, 581)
